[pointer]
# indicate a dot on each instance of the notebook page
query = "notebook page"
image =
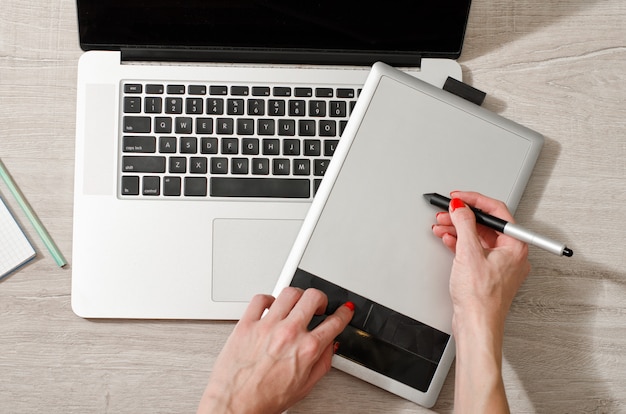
(15, 249)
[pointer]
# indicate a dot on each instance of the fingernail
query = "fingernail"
(335, 347)
(438, 214)
(349, 305)
(456, 203)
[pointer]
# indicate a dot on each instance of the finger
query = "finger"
(284, 303)
(332, 326)
(449, 241)
(257, 306)
(440, 230)
(312, 302)
(488, 205)
(443, 218)
(464, 221)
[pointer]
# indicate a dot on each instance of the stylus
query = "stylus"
(503, 226)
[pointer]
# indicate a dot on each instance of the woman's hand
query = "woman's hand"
(269, 363)
(488, 269)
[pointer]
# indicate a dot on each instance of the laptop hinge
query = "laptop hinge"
(270, 56)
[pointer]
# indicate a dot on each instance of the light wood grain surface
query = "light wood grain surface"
(556, 66)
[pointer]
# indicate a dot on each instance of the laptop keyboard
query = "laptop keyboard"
(223, 141)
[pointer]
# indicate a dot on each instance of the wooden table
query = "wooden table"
(556, 66)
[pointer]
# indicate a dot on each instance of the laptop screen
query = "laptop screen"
(276, 31)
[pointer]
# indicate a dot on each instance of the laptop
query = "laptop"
(204, 130)
(367, 238)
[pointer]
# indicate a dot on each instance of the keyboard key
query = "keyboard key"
(245, 126)
(230, 146)
(256, 107)
(133, 88)
(235, 107)
(154, 89)
(188, 145)
(260, 91)
(184, 125)
(345, 93)
(219, 165)
(302, 167)
(176, 89)
(320, 166)
(214, 106)
(143, 164)
(163, 125)
(137, 124)
(239, 90)
(167, 145)
(218, 90)
(271, 147)
(260, 187)
(297, 108)
(324, 92)
(209, 145)
(250, 146)
(198, 165)
(225, 126)
(132, 105)
(265, 127)
(328, 128)
(195, 186)
(171, 186)
(317, 108)
(286, 127)
(130, 185)
(291, 147)
(239, 166)
(260, 166)
(153, 105)
(329, 147)
(303, 92)
(281, 91)
(139, 144)
(151, 186)
(197, 90)
(194, 106)
(280, 166)
(338, 109)
(173, 105)
(178, 165)
(306, 128)
(312, 147)
(276, 107)
(204, 125)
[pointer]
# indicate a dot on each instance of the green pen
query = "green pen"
(34, 220)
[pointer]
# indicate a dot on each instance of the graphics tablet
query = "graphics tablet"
(367, 237)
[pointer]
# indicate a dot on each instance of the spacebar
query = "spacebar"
(260, 187)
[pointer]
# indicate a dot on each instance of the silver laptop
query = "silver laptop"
(368, 239)
(204, 130)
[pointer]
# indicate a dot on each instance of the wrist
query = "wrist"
(216, 400)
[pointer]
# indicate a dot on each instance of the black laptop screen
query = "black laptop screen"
(278, 28)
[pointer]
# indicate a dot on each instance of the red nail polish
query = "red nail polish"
(456, 203)
(349, 305)
(335, 347)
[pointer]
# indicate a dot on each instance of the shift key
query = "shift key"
(147, 164)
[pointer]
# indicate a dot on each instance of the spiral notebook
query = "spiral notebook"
(15, 249)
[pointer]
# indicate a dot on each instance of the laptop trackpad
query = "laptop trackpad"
(248, 256)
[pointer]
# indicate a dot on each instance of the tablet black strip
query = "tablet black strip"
(380, 338)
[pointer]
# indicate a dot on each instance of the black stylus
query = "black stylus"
(503, 226)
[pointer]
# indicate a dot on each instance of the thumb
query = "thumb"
(464, 221)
